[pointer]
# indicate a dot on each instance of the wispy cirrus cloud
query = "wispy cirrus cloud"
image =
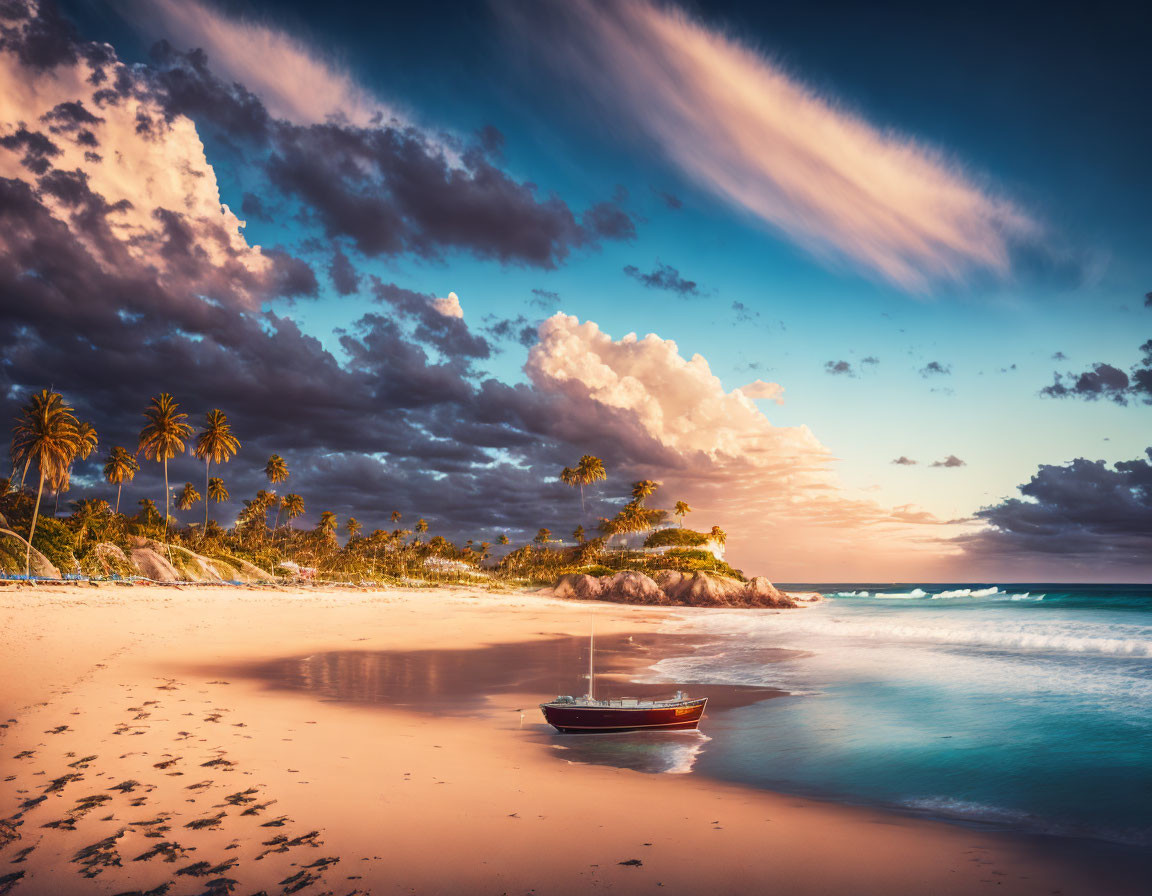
(738, 125)
(295, 82)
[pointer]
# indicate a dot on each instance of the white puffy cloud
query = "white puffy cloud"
(449, 306)
(761, 389)
(160, 192)
(773, 488)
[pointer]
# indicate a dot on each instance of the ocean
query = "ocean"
(1026, 707)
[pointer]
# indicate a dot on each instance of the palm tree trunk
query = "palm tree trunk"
(583, 509)
(119, 488)
(207, 463)
(56, 512)
(32, 531)
(277, 526)
(167, 501)
(25, 473)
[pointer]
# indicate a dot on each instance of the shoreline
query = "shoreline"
(367, 775)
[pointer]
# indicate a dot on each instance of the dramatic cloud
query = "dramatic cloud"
(345, 278)
(289, 76)
(1085, 512)
(950, 461)
(130, 182)
(663, 277)
(935, 368)
(839, 368)
(1106, 381)
(670, 418)
(739, 126)
(758, 389)
(905, 461)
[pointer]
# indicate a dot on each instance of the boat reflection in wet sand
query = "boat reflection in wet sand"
(587, 715)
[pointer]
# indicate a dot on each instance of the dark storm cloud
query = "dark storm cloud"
(664, 276)
(905, 461)
(343, 274)
(839, 368)
(1081, 509)
(449, 334)
(253, 207)
(950, 461)
(511, 329)
(391, 189)
(935, 368)
(1108, 382)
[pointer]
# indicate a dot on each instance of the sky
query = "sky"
(868, 288)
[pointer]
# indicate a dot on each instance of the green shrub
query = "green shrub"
(55, 541)
(663, 538)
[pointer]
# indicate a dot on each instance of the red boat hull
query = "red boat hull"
(577, 719)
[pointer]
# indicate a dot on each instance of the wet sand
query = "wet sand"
(215, 741)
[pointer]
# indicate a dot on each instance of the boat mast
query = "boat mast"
(591, 652)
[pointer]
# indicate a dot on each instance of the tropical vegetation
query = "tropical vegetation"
(94, 537)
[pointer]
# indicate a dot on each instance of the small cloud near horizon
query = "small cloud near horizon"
(905, 461)
(839, 368)
(935, 368)
(950, 461)
(871, 359)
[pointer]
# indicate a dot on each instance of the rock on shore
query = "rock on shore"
(672, 588)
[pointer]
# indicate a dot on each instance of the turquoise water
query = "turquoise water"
(1027, 706)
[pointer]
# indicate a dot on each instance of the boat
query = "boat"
(587, 715)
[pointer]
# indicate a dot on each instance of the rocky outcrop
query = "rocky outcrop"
(670, 587)
(166, 563)
(12, 550)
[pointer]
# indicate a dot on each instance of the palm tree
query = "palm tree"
(293, 506)
(421, 526)
(46, 433)
(682, 510)
(277, 471)
(543, 536)
(579, 535)
(643, 489)
(148, 510)
(215, 444)
(718, 535)
(86, 433)
(188, 496)
(162, 438)
(120, 467)
(503, 539)
(216, 492)
(327, 524)
(353, 526)
(589, 470)
(395, 516)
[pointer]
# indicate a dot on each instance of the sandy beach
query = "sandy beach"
(216, 740)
